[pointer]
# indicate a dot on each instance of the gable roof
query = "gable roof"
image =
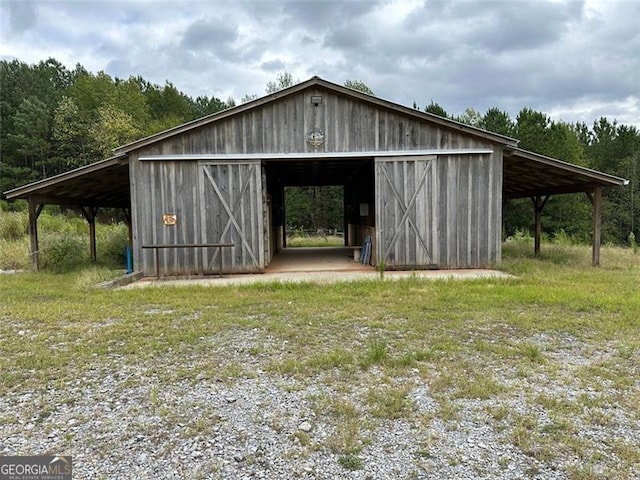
(319, 83)
(106, 183)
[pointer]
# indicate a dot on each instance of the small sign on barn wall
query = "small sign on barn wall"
(169, 219)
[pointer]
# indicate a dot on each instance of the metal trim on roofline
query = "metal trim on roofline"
(314, 155)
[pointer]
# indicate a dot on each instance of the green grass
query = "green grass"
(557, 324)
(315, 241)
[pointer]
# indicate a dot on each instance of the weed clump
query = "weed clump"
(62, 253)
(13, 226)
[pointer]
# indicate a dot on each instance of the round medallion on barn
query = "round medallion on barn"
(315, 138)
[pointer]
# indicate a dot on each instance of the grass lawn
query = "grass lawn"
(550, 357)
(315, 241)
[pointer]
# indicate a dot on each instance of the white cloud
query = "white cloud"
(569, 59)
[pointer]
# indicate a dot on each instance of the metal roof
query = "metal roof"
(106, 183)
(101, 184)
(527, 173)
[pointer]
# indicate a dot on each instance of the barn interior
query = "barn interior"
(355, 175)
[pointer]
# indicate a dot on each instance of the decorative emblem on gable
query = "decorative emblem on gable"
(315, 137)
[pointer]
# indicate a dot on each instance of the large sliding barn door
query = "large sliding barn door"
(404, 211)
(231, 203)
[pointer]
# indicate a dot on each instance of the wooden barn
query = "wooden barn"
(208, 196)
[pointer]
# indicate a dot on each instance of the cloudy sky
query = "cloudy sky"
(574, 60)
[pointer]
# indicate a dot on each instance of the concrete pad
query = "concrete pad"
(316, 265)
(319, 277)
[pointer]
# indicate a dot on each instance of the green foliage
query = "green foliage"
(29, 136)
(282, 81)
(471, 117)
(112, 241)
(68, 223)
(71, 132)
(359, 85)
(498, 121)
(376, 353)
(436, 109)
(54, 119)
(63, 252)
(64, 243)
(113, 127)
(314, 208)
(297, 239)
(13, 225)
(14, 254)
(350, 462)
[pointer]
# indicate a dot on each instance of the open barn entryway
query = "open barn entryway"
(319, 210)
(316, 259)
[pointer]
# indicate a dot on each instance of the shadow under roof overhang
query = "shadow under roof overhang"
(100, 184)
(527, 174)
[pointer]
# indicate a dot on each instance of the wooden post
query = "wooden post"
(90, 215)
(284, 218)
(34, 212)
(538, 205)
(596, 200)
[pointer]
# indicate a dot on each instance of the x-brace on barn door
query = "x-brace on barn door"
(404, 211)
(231, 202)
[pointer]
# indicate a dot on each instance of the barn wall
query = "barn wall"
(182, 188)
(461, 214)
(349, 125)
(158, 188)
(442, 211)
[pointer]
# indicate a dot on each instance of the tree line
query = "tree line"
(54, 119)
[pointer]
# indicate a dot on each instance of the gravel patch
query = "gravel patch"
(175, 417)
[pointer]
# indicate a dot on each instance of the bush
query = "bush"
(13, 226)
(112, 242)
(62, 223)
(62, 253)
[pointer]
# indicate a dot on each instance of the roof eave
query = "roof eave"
(604, 178)
(25, 190)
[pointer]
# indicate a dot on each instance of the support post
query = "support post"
(596, 201)
(538, 204)
(35, 210)
(90, 215)
(284, 218)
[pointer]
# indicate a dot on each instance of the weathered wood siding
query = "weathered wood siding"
(232, 211)
(349, 125)
(442, 211)
(229, 212)
(453, 221)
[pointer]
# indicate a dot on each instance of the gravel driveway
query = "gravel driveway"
(171, 417)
